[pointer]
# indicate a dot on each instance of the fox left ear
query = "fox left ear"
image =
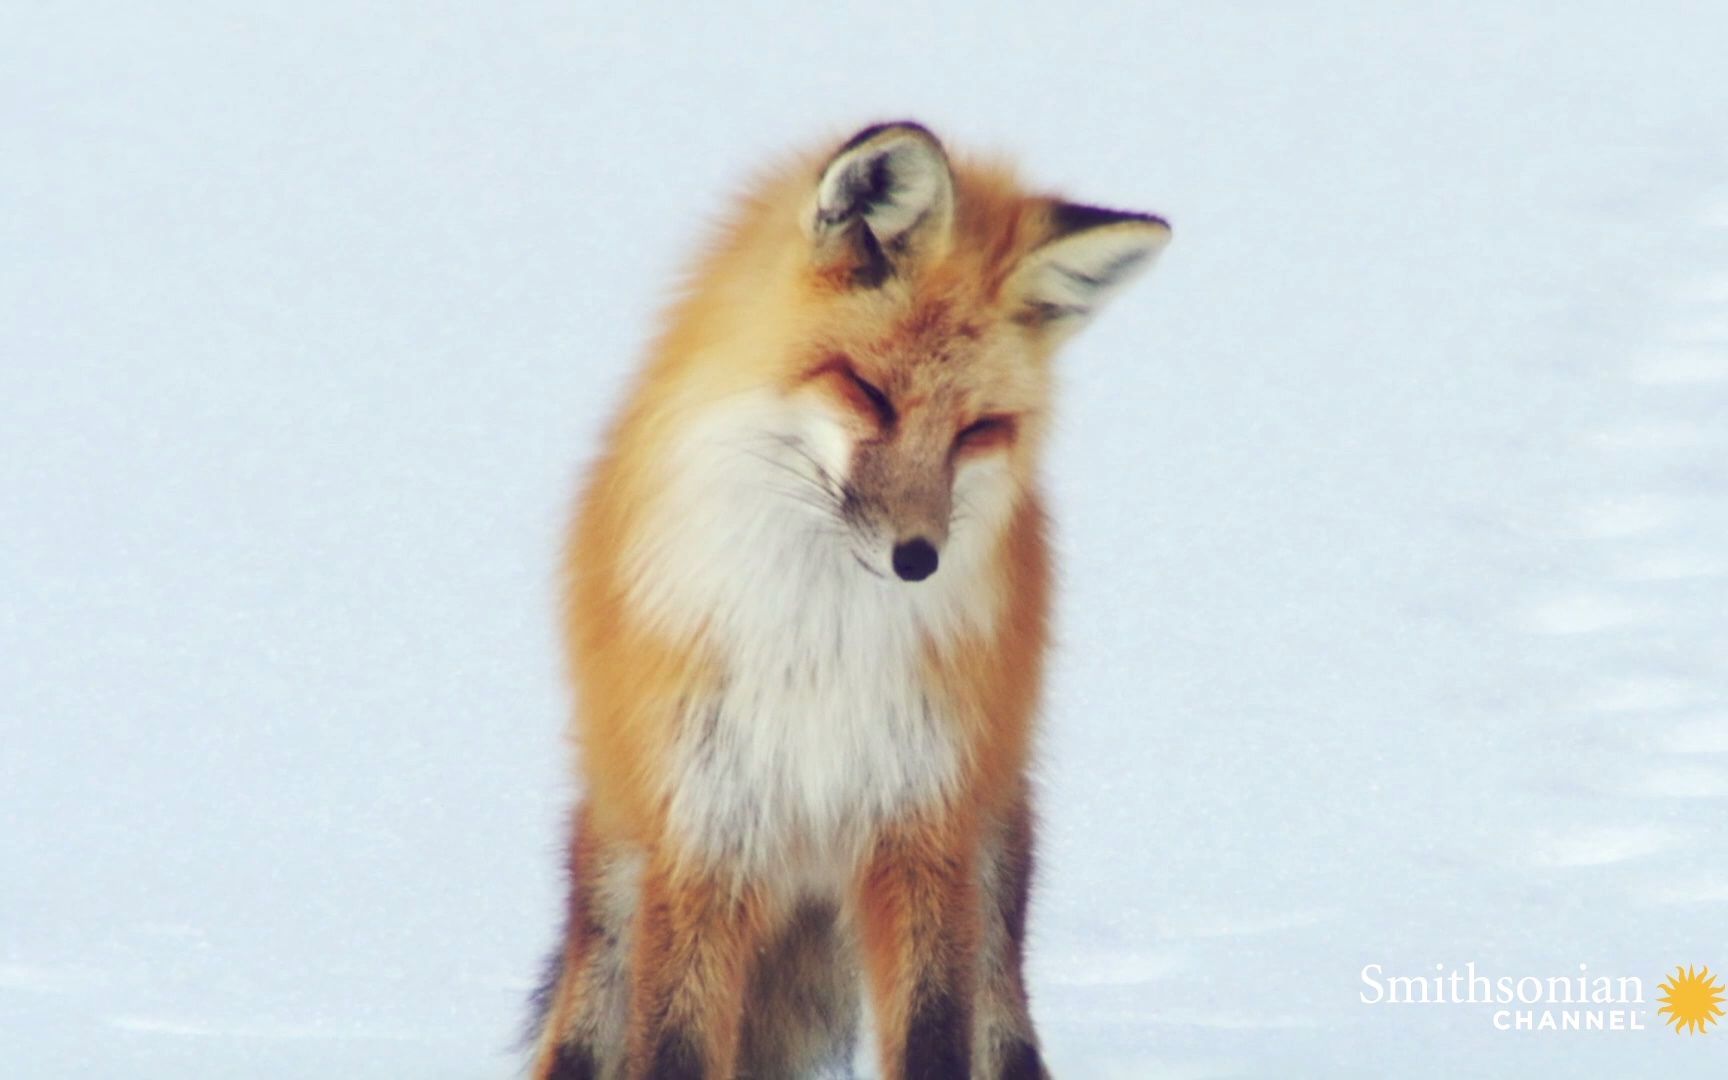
(1089, 255)
(885, 202)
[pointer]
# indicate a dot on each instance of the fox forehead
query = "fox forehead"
(934, 355)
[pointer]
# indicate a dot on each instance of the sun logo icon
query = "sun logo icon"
(1692, 1000)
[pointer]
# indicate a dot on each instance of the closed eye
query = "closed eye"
(864, 396)
(993, 429)
(878, 400)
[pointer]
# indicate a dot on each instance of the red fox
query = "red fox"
(807, 593)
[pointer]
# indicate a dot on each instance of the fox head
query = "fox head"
(860, 376)
(938, 296)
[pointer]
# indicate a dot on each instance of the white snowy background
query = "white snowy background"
(1393, 506)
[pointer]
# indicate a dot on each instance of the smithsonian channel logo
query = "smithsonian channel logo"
(1689, 1000)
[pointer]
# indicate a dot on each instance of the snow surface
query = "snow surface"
(1394, 507)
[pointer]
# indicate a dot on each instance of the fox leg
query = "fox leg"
(802, 1017)
(918, 907)
(1005, 1046)
(694, 938)
(584, 1006)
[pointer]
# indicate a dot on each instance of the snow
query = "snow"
(1393, 507)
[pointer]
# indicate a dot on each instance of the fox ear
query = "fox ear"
(1089, 255)
(885, 202)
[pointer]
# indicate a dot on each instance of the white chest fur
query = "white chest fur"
(824, 724)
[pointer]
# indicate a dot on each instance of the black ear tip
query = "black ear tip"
(1066, 218)
(911, 127)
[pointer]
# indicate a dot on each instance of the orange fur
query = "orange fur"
(951, 342)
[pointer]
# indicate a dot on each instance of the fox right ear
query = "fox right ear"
(884, 203)
(1089, 255)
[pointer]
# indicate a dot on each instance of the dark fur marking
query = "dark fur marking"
(574, 1063)
(939, 1039)
(1088, 280)
(675, 1058)
(540, 1001)
(1039, 312)
(873, 268)
(708, 738)
(862, 189)
(874, 130)
(1015, 889)
(1021, 1062)
(880, 188)
(579, 925)
(1109, 273)
(1068, 218)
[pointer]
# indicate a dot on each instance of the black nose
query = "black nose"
(915, 560)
